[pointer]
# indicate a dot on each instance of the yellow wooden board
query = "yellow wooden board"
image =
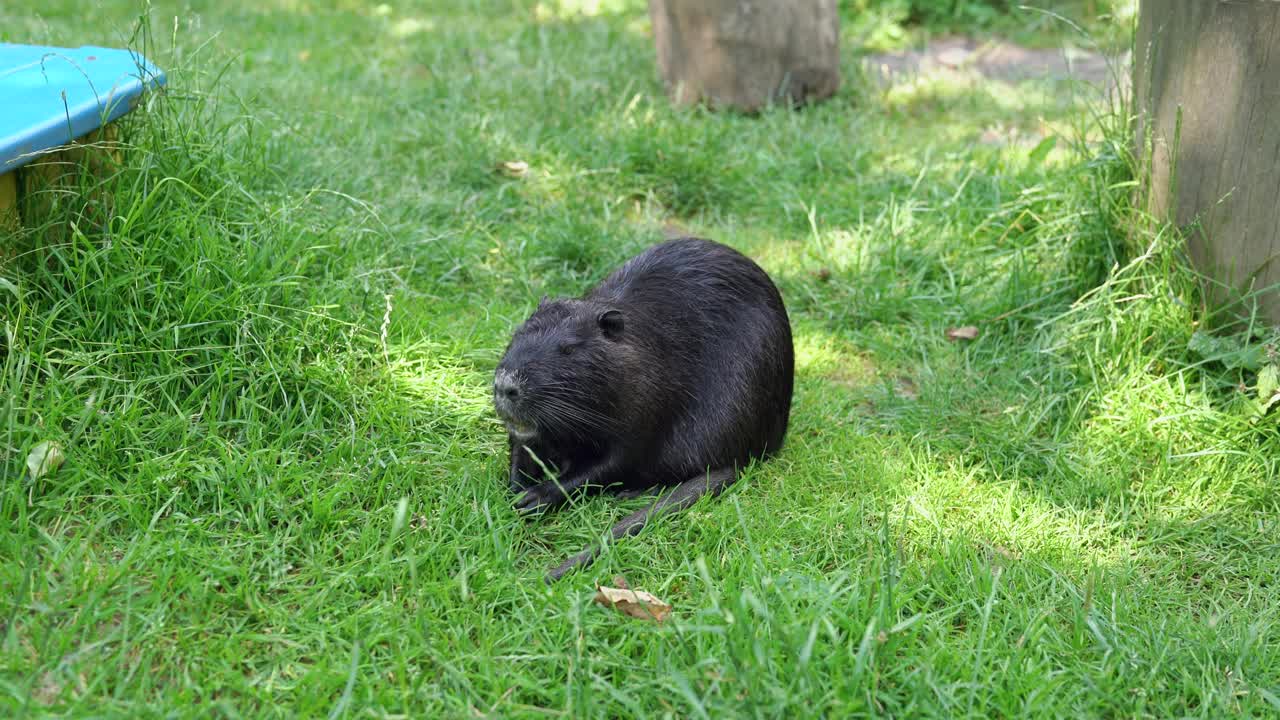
(31, 191)
(9, 202)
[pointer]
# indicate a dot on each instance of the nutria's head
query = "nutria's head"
(557, 376)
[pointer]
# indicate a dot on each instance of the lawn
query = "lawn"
(266, 352)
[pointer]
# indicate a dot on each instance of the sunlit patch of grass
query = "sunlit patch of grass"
(964, 503)
(821, 355)
(571, 9)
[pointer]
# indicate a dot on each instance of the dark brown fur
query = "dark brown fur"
(676, 370)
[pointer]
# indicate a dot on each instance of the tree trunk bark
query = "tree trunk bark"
(1207, 95)
(746, 54)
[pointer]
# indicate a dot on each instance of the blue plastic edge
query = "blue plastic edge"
(80, 119)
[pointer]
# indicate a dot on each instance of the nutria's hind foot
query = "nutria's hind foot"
(684, 495)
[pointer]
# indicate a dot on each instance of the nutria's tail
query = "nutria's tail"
(685, 494)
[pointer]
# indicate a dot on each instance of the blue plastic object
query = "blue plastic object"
(50, 96)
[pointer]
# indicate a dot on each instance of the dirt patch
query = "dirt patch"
(47, 690)
(997, 60)
(853, 371)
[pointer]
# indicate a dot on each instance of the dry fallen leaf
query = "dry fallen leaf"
(1005, 552)
(514, 168)
(992, 136)
(44, 459)
(636, 603)
(674, 231)
(48, 690)
(905, 388)
(968, 332)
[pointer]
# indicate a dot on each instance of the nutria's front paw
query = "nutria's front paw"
(540, 498)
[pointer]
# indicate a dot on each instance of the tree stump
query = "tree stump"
(1208, 102)
(746, 54)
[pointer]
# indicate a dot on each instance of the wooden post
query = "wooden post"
(96, 156)
(9, 219)
(745, 54)
(1207, 95)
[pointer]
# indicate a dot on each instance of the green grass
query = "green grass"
(267, 356)
(889, 24)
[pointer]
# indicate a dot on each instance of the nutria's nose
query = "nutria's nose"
(505, 387)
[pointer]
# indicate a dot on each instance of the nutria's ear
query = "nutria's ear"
(611, 323)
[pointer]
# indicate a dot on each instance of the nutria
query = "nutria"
(676, 369)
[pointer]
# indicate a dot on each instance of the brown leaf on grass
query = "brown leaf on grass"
(48, 690)
(513, 168)
(636, 603)
(823, 274)
(674, 231)
(992, 136)
(998, 552)
(905, 388)
(621, 582)
(968, 332)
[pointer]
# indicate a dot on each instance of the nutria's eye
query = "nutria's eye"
(566, 349)
(611, 323)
